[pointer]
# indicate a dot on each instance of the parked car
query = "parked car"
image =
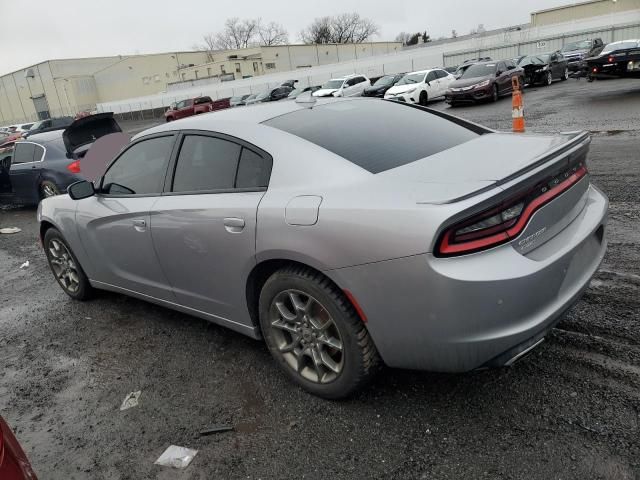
(348, 86)
(14, 464)
(194, 106)
(238, 100)
(484, 81)
(467, 63)
(420, 87)
(46, 163)
(289, 83)
(544, 68)
(618, 59)
(576, 52)
(342, 248)
(50, 124)
(270, 95)
(298, 91)
(380, 87)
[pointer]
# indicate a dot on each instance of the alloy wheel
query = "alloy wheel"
(306, 336)
(49, 190)
(549, 78)
(63, 266)
(566, 74)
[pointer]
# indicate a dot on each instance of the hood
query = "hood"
(467, 82)
(324, 92)
(396, 89)
(87, 130)
(481, 163)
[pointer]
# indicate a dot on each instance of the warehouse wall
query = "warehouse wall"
(577, 11)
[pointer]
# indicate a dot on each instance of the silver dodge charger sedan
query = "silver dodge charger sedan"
(345, 233)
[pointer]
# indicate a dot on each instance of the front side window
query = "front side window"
(431, 77)
(140, 170)
(206, 163)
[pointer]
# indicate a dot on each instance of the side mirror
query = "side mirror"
(80, 190)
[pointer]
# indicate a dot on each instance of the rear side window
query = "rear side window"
(253, 171)
(23, 153)
(206, 163)
(376, 136)
(38, 153)
(141, 169)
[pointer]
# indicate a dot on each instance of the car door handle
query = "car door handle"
(234, 224)
(140, 225)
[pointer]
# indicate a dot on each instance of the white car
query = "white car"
(420, 87)
(348, 86)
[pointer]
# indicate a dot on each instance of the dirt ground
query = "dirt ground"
(568, 411)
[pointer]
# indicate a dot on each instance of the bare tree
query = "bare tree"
(272, 34)
(403, 37)
(236, 34)
(343, 28)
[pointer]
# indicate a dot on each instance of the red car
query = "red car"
(194, 106)
(13, 462)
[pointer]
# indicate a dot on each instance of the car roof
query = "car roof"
(254, 115)
(46, 137)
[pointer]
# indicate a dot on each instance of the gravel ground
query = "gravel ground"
(569, 410)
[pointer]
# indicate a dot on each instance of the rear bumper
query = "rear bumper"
(462, 313)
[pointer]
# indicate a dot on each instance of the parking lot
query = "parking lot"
(571, 409)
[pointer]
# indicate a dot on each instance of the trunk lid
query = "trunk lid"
(485, 162)
(86, 130)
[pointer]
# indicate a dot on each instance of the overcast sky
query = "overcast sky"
(40, 30)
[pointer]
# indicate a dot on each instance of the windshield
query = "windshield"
(612, 47)
(572, 47)
(36, 125)
(386, 80)
(333, 84)
(411, 78)
(534, 60)
(479, 70)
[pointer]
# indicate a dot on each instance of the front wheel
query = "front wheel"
(565, 74)
(424, 99)
(549, 78)
(65, 267)
(314, 333)
(495, 95)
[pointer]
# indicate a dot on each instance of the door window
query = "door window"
(140, 170)
(206, 163)
(441, 73)
(431, 76)
(254, 170)
(23, 153)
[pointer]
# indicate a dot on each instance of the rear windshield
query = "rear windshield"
(375, 135)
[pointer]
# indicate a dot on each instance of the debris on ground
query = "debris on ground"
(24, 265)
(176, 457)
(215, 429)
(10, 230)
(131, 400)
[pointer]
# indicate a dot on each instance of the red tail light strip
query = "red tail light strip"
(448, 248)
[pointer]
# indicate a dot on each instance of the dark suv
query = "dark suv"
(576, 52)
(48, 125)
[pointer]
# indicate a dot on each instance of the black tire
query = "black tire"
(548, 80)
(84, 290)
(48, 189)
(359, 357)
(495, 96)
(424, 99)
(565, 74)
(169, 119)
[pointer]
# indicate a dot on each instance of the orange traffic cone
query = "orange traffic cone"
(516, 104)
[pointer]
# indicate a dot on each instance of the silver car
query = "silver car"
(346, 233)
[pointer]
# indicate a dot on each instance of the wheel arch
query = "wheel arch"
(260, 273)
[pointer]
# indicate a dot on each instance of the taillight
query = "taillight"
(74, 167)
(504, 222)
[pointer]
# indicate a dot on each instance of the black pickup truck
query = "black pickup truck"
(617, 59)
(576, 52)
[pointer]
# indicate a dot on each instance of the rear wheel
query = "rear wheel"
(424, 98)
(315, 334)
(65, 267)
(48, 189)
